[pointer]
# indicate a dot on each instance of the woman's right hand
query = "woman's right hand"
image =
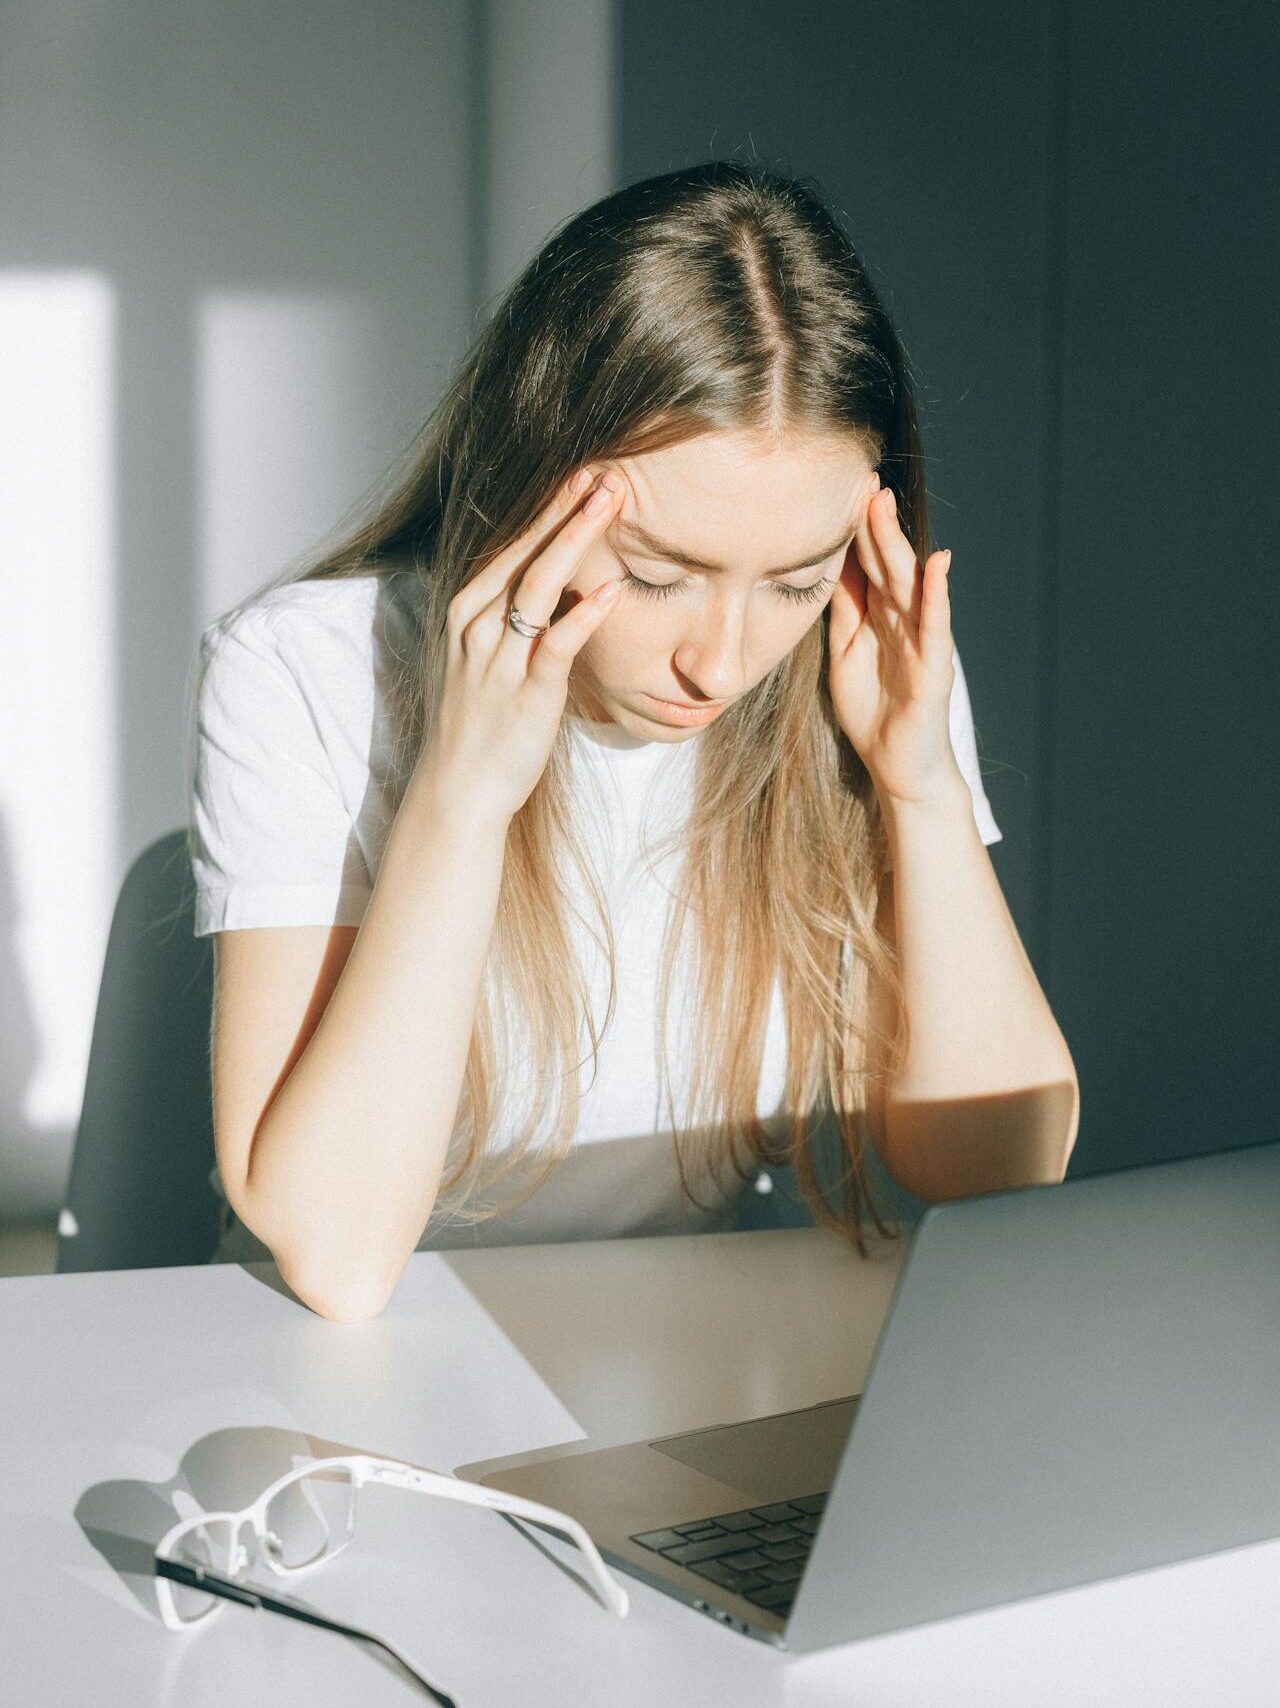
(504, 694)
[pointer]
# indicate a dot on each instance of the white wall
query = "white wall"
(240, 248)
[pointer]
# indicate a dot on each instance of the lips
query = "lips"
(681, 713)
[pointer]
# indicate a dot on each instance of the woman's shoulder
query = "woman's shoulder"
(302, 608)
(351, 623)
(310, 670)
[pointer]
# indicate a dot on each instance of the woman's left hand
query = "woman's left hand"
(890, 644)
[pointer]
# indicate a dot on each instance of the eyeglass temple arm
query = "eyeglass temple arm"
(404, 1476)
(195, 1577)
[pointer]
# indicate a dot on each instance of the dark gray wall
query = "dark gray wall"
(1064, 206)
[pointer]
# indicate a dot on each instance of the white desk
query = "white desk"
(115, 1388)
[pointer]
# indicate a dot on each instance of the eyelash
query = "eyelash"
(664, 590)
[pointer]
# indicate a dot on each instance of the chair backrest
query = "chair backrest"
(139, 1194)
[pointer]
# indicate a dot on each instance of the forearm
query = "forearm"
(346, 1163)
(987, 1095)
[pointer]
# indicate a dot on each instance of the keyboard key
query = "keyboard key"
(752, 1558)
(790, 1571)
(659, 1539)
(775, 1532)
(787, 1551)
(711, 1549)
(776, 1513)
(739, 1582)
(737, 1520)
(749, 1583)
(810, 1503)
(699, 1528)
(806, 1526)
(778, 1598)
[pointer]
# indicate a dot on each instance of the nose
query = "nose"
(712, 654)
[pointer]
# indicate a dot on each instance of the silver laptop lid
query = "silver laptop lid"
(1074, 1381)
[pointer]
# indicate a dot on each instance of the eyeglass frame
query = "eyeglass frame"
(212, 1585)
(367, 1468)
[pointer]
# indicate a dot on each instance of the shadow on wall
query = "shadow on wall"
(234, 287)
(22, 1142)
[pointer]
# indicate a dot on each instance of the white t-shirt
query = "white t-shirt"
(296, 780)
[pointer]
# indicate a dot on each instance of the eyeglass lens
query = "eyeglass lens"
(208, 1546)
(312, 1517)
(307, 1520)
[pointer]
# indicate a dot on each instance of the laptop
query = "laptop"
(1072, 1382)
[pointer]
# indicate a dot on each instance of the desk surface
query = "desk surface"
(118, 1388)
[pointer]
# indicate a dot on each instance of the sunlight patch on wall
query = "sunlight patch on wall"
(290, 429)
(58, 693)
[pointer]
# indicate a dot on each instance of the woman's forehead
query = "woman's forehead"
(732, 498)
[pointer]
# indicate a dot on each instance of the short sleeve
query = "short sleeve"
(272, 841)
(964, 743)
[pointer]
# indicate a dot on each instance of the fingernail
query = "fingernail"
(606, 593)
(599, 501)
(578, 483)
(612, 481)
(947, 561)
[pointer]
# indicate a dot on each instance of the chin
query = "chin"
(658, 731)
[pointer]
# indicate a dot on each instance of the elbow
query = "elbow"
(337, 1286)
(977, 1145)
(1073, 1127)
(1051, 1138)
(357, 1299)
(349, 1307)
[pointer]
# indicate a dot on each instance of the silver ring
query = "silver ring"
(531, 631)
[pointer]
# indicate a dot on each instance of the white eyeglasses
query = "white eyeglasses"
(306, 1517)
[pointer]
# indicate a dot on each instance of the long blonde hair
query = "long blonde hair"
(720, 296)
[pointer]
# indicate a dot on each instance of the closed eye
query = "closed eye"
(664, 589)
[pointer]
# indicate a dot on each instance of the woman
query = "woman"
(548, 824)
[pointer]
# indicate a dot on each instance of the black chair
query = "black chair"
(139, 1194)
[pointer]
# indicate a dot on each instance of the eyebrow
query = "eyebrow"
(660, 548)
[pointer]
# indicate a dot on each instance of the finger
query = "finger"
(554, 653)
(537, 590)
(880, 601)
(935, 614)
(498, 572)
(897, 554)
(848, 606)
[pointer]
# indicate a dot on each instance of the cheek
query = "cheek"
(790, 628)
(618, 647)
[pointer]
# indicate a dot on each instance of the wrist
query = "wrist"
(946, 798)
(434, 798)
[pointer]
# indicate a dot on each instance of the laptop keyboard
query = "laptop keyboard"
(758, 1553)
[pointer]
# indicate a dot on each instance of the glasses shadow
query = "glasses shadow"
(124, 1519)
